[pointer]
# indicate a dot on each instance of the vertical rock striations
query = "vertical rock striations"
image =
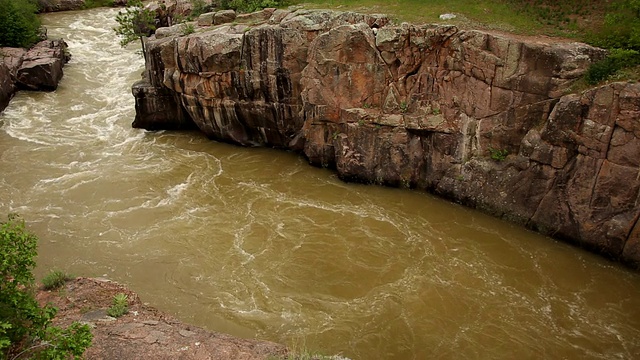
(477, 117)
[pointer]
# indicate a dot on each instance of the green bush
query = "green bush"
(618, 59)
(199, 7)
(498, 154)
(90, 4)
(120, 305)
(55, 279)
(19, 24)
(247, 6)
(25, 327)
(188, 28)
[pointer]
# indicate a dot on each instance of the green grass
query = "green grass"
(55, 279)
(569, 18)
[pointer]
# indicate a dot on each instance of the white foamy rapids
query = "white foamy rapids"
(96, 104)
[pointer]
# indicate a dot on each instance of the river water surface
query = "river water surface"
(257, 243)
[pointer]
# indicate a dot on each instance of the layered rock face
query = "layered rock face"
(477, 117)
(38, 68)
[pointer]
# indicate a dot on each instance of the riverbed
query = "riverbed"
(256, 243)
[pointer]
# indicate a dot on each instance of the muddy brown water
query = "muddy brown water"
(257, 243)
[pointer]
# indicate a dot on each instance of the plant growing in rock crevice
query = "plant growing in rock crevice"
(498, 154)
(120, 305)
(188, 28)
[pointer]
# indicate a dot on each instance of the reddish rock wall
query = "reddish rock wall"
(427, 107)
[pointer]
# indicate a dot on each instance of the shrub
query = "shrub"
(55, 279)
(90, 4)
(25, 327)
(188, 28)
(19, 25)
(247, 6)
(618, 59)
(120, 306)
(497, 154)
(199, 7)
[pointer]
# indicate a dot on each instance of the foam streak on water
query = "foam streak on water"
(257, 243)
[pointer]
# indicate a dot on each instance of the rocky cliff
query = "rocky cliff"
(481, 118)
(37, 68)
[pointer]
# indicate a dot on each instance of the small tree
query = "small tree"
(134, 23)
(25, 327)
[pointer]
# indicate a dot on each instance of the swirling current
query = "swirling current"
(257, 243)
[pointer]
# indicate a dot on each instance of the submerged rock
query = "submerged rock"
(478, 117)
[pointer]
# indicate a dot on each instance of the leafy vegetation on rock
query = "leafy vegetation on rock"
(120, 305)
(617, 60)
(19, 24)
(498, 154)
(25, 326)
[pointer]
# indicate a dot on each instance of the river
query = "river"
(257, 243)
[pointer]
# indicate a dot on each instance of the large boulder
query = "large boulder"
(38, 68)
(41, 67)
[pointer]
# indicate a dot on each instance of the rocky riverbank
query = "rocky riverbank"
(145, 332)
(47, 6)
(37, 68)
(484, 119)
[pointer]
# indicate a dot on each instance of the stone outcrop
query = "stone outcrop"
(477, 117)
(37, 68)
(144, 332)
(47, 6)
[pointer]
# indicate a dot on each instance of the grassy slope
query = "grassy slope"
(568, 18)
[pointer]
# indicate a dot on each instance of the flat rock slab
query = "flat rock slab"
(144, 333)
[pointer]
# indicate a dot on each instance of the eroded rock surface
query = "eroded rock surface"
(477, 117)
(41, 67)
(38, 68)
(144, 332)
